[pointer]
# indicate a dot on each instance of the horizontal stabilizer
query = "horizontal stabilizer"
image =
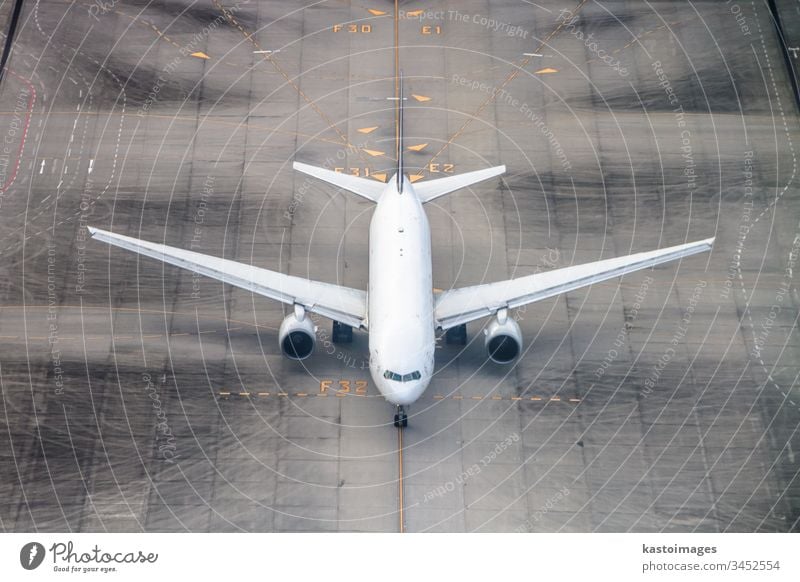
(369, 189)
(427, 191)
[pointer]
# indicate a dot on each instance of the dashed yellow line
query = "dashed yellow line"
(476, 397)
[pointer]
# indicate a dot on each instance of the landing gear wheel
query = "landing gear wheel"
(401, 418)
(342, 333)
(456, 335)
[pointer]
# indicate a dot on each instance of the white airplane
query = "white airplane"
(401, 311)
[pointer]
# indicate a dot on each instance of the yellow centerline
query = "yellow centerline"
(400, 477)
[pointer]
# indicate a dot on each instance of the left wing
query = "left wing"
(467, 304)
(339, 303)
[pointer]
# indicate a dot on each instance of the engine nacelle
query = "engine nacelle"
(503, 339)
(297, 335)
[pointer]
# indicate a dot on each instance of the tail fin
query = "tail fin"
(369, 189)
(399, 133)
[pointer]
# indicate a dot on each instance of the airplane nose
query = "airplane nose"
(405, 393)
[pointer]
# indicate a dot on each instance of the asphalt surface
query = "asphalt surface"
(138, 398)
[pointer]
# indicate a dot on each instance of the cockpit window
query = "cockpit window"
(415, 375)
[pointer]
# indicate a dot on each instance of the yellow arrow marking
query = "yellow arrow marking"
(414, 13)
(421, 98)
(376, 12)
(415, 177)
(374, 153)
(367, 129)
(418, 148)
(546, 71)
(379, 177)
(200, 55)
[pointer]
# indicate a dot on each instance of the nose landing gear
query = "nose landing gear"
(401, 418)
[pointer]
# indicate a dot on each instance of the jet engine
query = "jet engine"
(503, 339)
(297, 335)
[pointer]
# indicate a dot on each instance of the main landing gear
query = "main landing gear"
(401, 418)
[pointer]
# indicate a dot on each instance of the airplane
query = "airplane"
(401, 311)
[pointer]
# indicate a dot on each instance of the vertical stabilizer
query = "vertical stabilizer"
(399, 133)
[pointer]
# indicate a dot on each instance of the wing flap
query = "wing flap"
(470, 303)
(342, 304)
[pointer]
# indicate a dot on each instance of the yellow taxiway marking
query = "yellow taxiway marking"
(535, 398)
(497, 397)
(283, 394)
(418, 148)
(200, 55)
(414, 13)
(263, 394)
(477, 397)
(301, 394)
(546, 71)
(379, 177)
(513, 74)
(421, 98)
(374, 153)
(415, 177)
(376, 12)
(244, 394)
(368, 129)
(438, 397)
(224, 393)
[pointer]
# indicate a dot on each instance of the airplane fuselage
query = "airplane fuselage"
(400, 299)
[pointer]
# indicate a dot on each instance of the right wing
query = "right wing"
(339, 303)
(467, 304)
